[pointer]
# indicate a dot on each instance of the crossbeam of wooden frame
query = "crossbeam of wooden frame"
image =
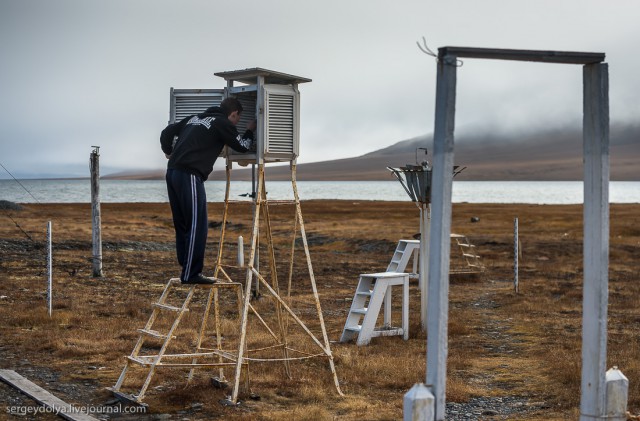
(564, 57)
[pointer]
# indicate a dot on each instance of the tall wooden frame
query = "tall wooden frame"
(268, 278)
(596, 218)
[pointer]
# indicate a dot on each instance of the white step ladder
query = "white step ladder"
(374, 289)
(404, 251)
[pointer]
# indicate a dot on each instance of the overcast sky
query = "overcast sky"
(77, 73)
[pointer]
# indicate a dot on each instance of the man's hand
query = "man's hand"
(252, 126)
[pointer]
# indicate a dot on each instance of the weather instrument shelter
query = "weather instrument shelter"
(596, 217)
(271, 98)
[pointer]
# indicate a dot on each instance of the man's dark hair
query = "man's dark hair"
(230, 105)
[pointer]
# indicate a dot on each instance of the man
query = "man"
(200, 139)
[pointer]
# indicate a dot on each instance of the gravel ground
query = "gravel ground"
(501, 408)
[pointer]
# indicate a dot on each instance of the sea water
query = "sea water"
(126, 191)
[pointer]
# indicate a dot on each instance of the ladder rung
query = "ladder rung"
(470, 255)
(356, 328)
(140, 361)
(364, 293)
(466, 245)
(168, 307)
(360, 310)
(153, 333)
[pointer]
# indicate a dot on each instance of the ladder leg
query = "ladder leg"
(405, 309)
(122, 376)
(213, 294)
(327, 345)
(275, 283)
(387, 307)
(369, 320)
(247, 290)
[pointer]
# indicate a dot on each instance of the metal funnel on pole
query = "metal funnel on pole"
(416, 181)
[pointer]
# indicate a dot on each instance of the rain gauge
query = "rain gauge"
(416, 181)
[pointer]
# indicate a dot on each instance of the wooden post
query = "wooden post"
(439, 242)
(596, 241)
(95, 211)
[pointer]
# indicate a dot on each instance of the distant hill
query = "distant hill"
(544, 155)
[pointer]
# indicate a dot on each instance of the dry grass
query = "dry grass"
(501, 344)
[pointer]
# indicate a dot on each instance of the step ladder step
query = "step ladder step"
(168, 307)
(154, 334)
(389, 331)
(139, 360)
(470, 255)
(376, 287)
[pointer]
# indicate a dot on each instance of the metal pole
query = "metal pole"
(515, 255)
(49, 269)
(95, 211)
(439, 243)
(425, 231)
(596, 241)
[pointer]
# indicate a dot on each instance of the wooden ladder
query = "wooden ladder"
(153, 361)
(469, 255)
(373, 290)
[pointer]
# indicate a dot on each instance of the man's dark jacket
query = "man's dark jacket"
(200, 139)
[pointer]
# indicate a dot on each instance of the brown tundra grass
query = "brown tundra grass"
(501, 344)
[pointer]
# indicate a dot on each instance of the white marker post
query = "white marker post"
(418, 404)
(240, 251)
(617, 394)
(515, 255)
(49, 269)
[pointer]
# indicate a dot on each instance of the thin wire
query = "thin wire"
(16, 180)
(425, 49)
(19, 227)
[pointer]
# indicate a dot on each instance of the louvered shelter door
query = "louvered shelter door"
(282, 126)
(186, 102)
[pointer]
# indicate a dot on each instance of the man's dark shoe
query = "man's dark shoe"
(199, 279)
